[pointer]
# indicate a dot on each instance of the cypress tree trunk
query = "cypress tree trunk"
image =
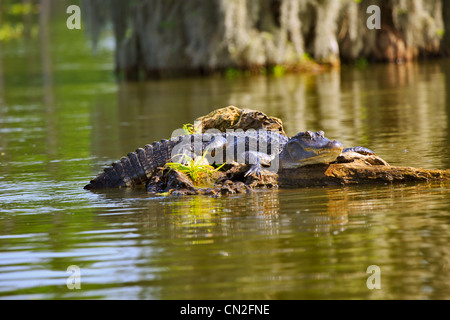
(445, 44)
(326, 48)
(160, 38)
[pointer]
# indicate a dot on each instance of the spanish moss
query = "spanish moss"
(161, 38)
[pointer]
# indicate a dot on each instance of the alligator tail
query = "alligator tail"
(136, 168)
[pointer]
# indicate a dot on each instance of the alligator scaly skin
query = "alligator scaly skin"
(252, 147)
(138, 167)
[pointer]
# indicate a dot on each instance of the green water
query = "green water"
(63, 118)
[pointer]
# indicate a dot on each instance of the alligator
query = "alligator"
(256, 148)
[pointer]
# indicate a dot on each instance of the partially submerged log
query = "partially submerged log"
(231, 181)
(354, 168)
(335, 174)
(350, 168)
(357, 172)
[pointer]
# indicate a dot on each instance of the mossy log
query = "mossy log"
(358, 172)
(350, 168)
(335, 174)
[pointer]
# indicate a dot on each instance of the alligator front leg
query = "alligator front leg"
(256, 160)
(360, 150)
(363, 154)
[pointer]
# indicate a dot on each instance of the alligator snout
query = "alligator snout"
(334, 145)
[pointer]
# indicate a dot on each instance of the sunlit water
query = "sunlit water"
(63, 118)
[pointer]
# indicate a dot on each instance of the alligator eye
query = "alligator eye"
(321, 134)
(308, 134)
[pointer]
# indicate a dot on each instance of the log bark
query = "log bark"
(357, 172)
(350, 168)
(234, 118)
(446, 18)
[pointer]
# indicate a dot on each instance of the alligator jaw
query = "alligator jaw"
(327, 154)
(323, 155)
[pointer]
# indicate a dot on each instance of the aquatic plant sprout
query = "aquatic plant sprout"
(194, 167)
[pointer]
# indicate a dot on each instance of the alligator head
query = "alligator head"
(307, 148)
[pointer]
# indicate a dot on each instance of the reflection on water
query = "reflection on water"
(62, 119)
(397, 110)
(273, 244)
